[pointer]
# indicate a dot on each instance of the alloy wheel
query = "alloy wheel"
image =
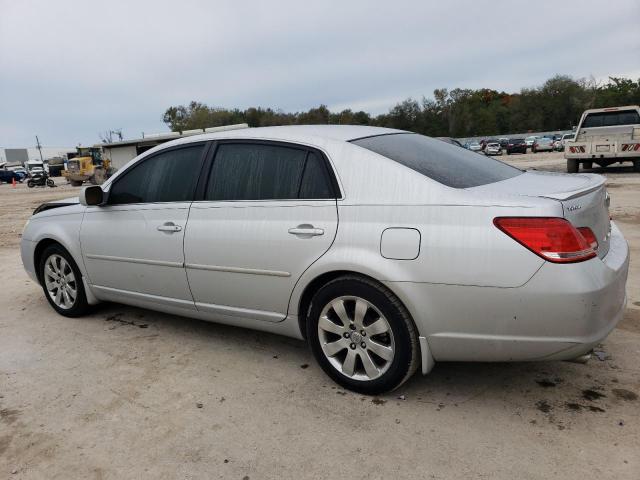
(60, 281)
(356, 338)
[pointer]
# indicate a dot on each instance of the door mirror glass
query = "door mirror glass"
(92, 195)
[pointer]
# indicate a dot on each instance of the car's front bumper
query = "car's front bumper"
(27, 250)
(560, 313)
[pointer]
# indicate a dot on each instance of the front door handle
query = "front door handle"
(306, 230)
(169, 227)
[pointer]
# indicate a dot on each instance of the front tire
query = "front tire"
(31, 184)
(62, 282)
(362, 336)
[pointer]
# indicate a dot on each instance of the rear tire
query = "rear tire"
(30, 184)
(588, 165)
(62, 282)
(636, 165)
(370, 363)
(75, 183)
(572, 166)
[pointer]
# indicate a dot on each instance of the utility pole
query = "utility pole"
(39, 147)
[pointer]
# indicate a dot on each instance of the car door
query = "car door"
(267, 213)
(133, 246)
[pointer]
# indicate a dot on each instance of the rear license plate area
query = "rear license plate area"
(602, 148)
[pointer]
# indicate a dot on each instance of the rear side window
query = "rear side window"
(446, 164)
(170, 176)
(315, 180)
(267, 172)
(611, 119)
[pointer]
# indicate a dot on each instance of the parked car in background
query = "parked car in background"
(20, 171)
(529, 140)
(566, 137)
(504, 142)
(493, 148)
(544, 144)
(605, 136)
(516, 145)
(247, 234)
(557, 145)
(9, 176)
(474, 146)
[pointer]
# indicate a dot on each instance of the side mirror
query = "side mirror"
(92, 195)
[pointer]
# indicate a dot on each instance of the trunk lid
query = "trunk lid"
(584, 198)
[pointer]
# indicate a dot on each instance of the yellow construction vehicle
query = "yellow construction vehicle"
(87, 164)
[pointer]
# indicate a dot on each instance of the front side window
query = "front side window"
(446, 164)
(169, 176)
(266, 172)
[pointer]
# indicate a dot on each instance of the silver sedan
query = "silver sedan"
(386, 251)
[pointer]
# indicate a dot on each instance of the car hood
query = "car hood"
(65, 202)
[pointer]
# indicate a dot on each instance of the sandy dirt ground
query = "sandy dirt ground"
(129, 393)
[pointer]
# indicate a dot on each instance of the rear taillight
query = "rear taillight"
(589, 236)
(553, 239)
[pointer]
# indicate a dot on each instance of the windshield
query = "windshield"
(444, 163)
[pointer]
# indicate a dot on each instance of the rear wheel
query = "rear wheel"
(636, 165)
(30, 184)
(362, 336)
(588, 165)
(572, 165)
(75, 183)
(50, 183)
(62, 282)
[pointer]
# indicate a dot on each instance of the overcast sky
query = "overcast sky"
(71, 69)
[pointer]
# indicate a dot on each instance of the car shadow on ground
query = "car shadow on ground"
(610, 169)
(542, 388)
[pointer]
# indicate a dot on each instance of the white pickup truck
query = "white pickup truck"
(605, 136)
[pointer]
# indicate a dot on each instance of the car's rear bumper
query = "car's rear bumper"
(560, 313)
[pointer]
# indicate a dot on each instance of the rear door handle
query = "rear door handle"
(306, 231)
(169, 227)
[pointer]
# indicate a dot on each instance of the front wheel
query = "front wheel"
(50, 183)
(62, 282)
(362, 336)
(31, 184)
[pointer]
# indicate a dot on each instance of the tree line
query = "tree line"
(555, 105)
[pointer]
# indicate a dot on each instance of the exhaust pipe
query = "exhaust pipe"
(582, 358)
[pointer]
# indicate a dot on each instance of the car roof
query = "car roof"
(309, 134)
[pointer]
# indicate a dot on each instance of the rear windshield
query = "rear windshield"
(444, 163)
(611, 119)
(517, 140)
